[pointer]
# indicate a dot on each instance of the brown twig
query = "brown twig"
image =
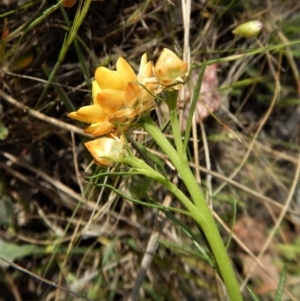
(60, 124)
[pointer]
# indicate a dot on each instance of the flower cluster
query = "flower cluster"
(120, 97)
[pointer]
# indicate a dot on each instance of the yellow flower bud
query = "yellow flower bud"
(249, 29)
(169, 68)
(106, 150)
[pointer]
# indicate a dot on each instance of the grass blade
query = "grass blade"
(281, 284)
(193, 106)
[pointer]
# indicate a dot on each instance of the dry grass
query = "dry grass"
(92, 241)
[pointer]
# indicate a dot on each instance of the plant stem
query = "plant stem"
(172, 104)
(145, 169)
(200, 212)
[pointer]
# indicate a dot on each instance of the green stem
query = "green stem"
(172, 104)
(142, 167)
(200, 212)
(145, 169)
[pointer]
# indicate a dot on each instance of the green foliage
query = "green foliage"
(280, 289)
(11, 252)
(254, 297)
(3, 131)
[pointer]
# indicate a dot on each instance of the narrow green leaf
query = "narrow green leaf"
(62, 94)
(151, 205)
(233, 223)
(108, 252)
(281, 284)
(3, 131)
(195, 240)
(6, 211)
(79, 17)
(193, 106)
(12, 252)
(188, 251)
(150, 156)
(255, 298)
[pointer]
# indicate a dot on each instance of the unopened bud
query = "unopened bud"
(105, 150)
(249, 29)
(68, 3)
(169, 68)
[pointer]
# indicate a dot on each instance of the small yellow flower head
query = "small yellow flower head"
(249, 29)
(106, 150)
(170, 69)
(118, 99)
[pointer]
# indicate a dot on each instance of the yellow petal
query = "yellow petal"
(120, 116)
(145, 72)
(89, 114)
(100, 129)
(134, 112)
(143, 62)
(110, 100)
(108, 79)
(95, 90)
(132, 93)
(146, 96)
(124, 70)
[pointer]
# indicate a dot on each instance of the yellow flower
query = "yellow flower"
(106, 150)
(117, 98)
(170, 69)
